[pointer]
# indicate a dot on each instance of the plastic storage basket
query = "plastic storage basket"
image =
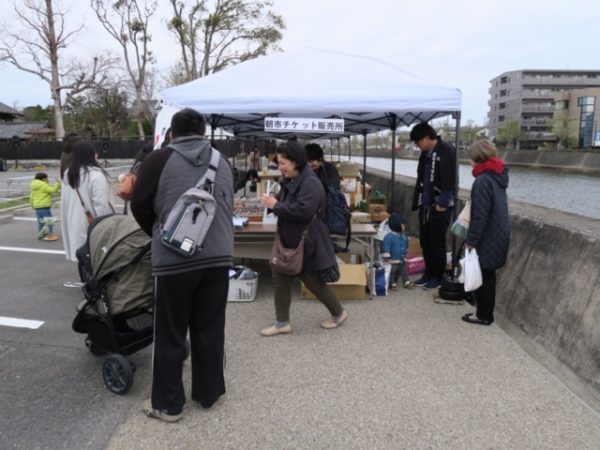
(242, 290)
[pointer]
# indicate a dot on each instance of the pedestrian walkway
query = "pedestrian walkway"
(402, 373)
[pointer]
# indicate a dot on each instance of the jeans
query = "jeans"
(41, 213)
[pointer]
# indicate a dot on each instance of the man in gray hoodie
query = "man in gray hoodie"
(190, 292)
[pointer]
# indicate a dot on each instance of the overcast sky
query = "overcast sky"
(459, 43)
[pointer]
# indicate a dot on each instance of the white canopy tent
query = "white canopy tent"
(367, 93)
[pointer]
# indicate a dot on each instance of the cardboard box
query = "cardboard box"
(349, 170)
(360, 217)
(349, 258)
(377, 208)
(414, 247)
(380, 216)
(352, 284)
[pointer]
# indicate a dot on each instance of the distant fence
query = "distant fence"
(118, 149)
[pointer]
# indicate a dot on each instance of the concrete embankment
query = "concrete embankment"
(548, 294)
(574, 161)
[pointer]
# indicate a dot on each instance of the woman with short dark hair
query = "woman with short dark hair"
(299, 204)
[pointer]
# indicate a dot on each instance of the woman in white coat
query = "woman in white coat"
(89, 179)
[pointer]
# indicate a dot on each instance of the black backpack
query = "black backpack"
(338, 214)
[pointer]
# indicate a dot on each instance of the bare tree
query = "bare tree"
(127, 22)
(230, 32)
(36, 47)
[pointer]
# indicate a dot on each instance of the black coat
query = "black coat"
(328, 175)
(299, 199)
(489, 230)
(444, 179)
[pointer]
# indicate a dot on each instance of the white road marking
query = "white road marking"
(33, 219)
(31, 250)
(20, 323)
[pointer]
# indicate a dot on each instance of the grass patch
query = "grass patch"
(14, 202)
(21, 201)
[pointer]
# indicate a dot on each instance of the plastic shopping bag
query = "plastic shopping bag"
(460, 227)
(470, 272)
(382, 231)
(379, 278)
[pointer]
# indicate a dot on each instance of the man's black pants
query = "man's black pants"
(194, 300)
(433, 226)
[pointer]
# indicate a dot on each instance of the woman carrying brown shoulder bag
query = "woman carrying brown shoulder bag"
(298, 207)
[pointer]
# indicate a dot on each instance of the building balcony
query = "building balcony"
(554, 80)
(536, 122)
(537, 108)
(539, 136)
(538, 95)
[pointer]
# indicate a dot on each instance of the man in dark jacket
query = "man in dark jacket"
(326, 171)
(190, 292)
(434, 197)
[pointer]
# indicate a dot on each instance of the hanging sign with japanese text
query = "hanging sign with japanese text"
(303, 125)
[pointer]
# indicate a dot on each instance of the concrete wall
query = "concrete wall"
(548, 294)
(584, 162)
(569, 161)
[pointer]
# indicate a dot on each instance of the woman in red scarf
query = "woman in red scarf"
(489, 230)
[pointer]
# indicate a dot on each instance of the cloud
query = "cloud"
(462, 43)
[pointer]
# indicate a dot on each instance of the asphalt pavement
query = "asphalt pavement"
(402, 373)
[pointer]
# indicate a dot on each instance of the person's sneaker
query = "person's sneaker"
(408, 284)
(334, 322)
(75, 284)
(432, 284)
(160, 414)
(422, 281)
(273, 330)
(51, 237)
(393, 286)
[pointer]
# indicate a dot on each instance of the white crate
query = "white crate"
(242, 290)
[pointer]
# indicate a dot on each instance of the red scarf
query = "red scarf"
(494, 164)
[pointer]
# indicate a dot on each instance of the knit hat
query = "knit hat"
(395, 222)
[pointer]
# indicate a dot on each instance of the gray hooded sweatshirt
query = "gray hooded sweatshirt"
(166, 174)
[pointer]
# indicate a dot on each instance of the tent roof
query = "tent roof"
(369, 94)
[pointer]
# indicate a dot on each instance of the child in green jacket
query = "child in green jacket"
(41, 201)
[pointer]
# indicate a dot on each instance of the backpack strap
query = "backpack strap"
(209, 175)
(208, 178)
(349, 232)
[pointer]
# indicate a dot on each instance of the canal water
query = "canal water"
(574, 193)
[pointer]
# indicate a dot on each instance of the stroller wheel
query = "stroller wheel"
(94, 349)
(117, 374)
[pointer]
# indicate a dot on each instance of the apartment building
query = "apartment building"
(576, 115)
(528, 96)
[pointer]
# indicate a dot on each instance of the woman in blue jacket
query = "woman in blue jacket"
(489, 230)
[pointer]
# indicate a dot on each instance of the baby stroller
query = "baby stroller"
(117, 314)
